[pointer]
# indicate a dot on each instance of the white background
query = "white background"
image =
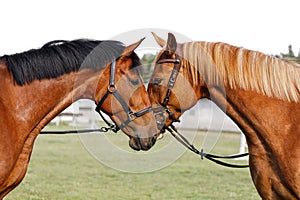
(265, 25)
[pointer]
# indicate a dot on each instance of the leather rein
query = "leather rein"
(175, 133)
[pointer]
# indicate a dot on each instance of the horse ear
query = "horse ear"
(171, 43)
(129, 49)
(161, 42)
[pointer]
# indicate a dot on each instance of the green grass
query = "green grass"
(61, 168)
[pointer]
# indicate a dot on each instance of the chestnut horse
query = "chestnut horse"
(259, 92)
(38, 84)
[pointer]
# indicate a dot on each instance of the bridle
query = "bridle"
(172, 78)
(112, 89)
(159, 111)
(172, 129)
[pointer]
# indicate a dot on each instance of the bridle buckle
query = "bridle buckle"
(131, 115)
(112, 88)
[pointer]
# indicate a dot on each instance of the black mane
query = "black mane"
(60, 57)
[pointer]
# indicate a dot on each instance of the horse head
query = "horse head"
(171, 92)
(124, 98)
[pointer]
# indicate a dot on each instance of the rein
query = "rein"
(174, 132)
(111, 89)
(100, 130)
(180, 138)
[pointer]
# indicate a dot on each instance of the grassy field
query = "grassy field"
(61, 168)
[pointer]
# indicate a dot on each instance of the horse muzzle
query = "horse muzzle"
(138, 143)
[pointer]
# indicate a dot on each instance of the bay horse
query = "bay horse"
(260, 93)
(38, 84)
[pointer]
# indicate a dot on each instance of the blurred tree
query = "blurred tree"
(291, 53)
(147, 61)
(290, 56)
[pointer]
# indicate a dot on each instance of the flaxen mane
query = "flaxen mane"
(220, 63)
(59, 57)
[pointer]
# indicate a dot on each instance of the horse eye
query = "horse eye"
(135, 82)
(157, 81)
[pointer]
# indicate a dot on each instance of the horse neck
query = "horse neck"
(259, 117)
(37, 103)
(242, 82)
(248, 80)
